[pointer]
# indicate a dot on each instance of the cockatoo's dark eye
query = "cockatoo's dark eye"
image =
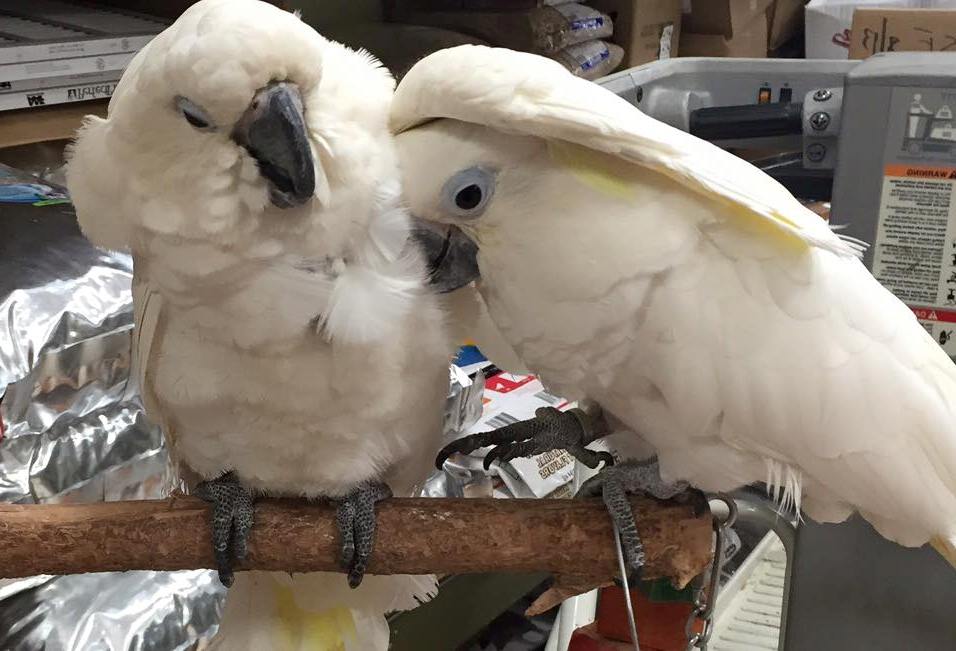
(194, 114)
(467, 193)
(469, 197)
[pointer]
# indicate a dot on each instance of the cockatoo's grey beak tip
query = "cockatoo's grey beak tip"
(452, 257)
(273, 131)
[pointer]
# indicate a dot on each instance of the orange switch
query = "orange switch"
(763, 96)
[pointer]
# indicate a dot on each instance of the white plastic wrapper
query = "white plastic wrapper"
(509, 398)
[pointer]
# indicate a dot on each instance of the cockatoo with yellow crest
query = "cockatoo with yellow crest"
(285, 339)
(716, 321)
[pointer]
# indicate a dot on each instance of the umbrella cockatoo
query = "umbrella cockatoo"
(285, 339)
(715, 320)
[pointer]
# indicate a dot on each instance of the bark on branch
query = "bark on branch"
(570, 538)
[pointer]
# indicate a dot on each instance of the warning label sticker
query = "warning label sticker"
(915, 249)
(913, 229)
(940, 324)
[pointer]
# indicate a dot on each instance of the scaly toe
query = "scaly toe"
(233, 514)
(355, 518)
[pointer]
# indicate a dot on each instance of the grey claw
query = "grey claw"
(590, 458)
(233, 513)
(550, 429)
(619, 507)
(613, 485)
(513, 433)
(508, 451)
(355, 519)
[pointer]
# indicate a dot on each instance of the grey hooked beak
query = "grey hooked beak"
(451, 256)
(273, 132)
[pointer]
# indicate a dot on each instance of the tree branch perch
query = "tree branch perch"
(570, 538)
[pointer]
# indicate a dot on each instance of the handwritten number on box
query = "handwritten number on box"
(880, 40)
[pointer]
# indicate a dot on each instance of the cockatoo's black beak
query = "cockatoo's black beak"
(451, 256)
(273, 132)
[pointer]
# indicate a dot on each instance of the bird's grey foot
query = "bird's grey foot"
(355, 518)
(232, 516)
(550, 429)
(614, 483)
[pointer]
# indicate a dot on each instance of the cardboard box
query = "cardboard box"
(648, 30)
(828, 22)
(726, 28)
(785, 19)
(400, 6)
(46, 123)
(902, 30)
(739, 28)
(544, 30)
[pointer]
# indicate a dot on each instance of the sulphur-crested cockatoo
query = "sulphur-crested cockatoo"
(708, 313)
(284, 340)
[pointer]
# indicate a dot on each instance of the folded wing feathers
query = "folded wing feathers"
(523, 93)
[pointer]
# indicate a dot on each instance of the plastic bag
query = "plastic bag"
(559, 27)
(591, 60)
(543, 30)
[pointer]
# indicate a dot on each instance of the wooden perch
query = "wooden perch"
(570, 538)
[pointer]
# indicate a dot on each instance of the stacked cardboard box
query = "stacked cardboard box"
(55, 52)
(887, 29)
(739, 28)
(648, 30)
(583, 37)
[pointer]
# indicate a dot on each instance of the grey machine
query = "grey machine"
(876, 138)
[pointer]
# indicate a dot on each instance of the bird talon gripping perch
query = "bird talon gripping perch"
(232, 517)
(355, 518)
(614, 483)
(550, 429)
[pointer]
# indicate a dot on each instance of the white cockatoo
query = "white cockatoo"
(285, 339)
(716, 321)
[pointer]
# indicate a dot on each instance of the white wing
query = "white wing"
(517, 92)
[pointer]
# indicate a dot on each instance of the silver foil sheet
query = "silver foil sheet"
(141, 611)
(73, 430)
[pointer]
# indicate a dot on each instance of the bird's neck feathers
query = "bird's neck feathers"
(380, 281)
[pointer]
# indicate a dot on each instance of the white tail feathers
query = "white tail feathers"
(856, 245)
(314, 612)
(785, 485)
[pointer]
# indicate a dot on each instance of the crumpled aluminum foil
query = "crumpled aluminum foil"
(72, 429)
(462, 410)
(463, 407)
(131, 610)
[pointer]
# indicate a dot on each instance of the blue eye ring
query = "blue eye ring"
(467, 193)
(194, 114)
